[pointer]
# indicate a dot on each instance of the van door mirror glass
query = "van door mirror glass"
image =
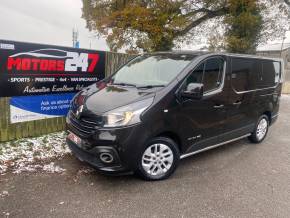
(193, 90)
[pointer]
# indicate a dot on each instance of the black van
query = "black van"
(162, 107)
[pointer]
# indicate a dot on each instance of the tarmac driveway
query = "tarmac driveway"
(237, 180)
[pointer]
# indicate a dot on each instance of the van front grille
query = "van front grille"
(85, 126)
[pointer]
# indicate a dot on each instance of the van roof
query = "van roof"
(200, 53)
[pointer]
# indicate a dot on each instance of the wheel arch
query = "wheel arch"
(172, 135)
(269, 115)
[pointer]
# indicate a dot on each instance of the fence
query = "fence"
(10, 131)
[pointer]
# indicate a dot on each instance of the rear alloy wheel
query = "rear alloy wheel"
(261, 130)
(159, 159)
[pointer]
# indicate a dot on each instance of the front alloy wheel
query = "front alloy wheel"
(159, 159)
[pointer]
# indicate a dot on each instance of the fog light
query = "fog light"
(106, 157)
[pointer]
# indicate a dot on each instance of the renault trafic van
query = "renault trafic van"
(162, 107)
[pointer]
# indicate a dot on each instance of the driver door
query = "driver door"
(202, 120)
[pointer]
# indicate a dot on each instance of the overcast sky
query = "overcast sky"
(45, 21)
(50, 22)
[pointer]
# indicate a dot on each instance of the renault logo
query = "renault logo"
(79, 111)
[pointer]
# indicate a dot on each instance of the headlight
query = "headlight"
(126, 115)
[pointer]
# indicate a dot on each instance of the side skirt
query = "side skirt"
(213, 146)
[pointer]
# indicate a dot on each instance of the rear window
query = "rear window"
(250, 74)
(270, 76)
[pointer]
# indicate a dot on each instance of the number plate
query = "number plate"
(77, 140)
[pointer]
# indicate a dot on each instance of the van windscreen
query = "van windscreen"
(152, 70)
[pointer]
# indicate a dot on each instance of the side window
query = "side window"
(245, 73)
(210, 73)
(196, 76)
(270, 74)
(213, 72)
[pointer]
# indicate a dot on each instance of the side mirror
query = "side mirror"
(193, 91)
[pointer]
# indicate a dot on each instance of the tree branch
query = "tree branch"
(209, 14)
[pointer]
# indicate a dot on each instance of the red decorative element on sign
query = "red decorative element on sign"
(94, 60)
(33, 64)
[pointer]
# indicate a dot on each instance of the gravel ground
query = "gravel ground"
(237, 180)
(33, 154)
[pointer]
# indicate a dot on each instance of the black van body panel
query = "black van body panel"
(194, 124)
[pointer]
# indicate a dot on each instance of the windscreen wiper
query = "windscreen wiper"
(149, 86)
(124, 84)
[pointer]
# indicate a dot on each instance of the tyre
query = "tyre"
(158, 159)
(261, 130)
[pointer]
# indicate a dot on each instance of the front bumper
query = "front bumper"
(92, 158)
(124, 144)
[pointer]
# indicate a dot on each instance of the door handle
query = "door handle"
(218, 106)
(237, 103)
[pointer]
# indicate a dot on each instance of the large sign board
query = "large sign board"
(42, 79)
(34, 69)
(29, 108)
